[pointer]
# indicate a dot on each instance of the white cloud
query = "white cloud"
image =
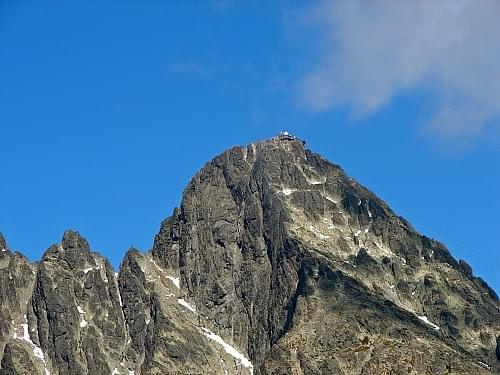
(373, 51)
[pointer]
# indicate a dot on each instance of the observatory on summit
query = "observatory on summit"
(286, 136)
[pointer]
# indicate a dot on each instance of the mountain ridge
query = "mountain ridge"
(270, 244)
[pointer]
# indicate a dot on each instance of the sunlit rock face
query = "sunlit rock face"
(276, 262)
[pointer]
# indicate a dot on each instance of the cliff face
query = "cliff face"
(276, 262)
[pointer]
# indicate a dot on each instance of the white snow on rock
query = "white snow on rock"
(426, 321)
(157, 266)
(130, 372)
(87, 270)
(400, 258)
(229, 349)
(115, 372)
(175, 280)
(120, 299)
(83, 323)
(37, 351)
(3, 250)
(316, 182)
(357, 233)
(80, 310)
(288, 191)
(26, 335)
(182, 302)
(318, 233)
(484, 365)
(331, 199)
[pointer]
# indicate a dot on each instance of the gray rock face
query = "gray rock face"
(498, 348)
(273, 243)
(276, 262)
(75, 310)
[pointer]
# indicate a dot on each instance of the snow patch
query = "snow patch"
(316, 182)
(120, 299)
(26, 336)
(228, 348)
(157, 266)
(83, 323)
(400, 258)
(182, 302)
(318, 233)
(37, 351)
(80, 310)
(3, 250)
(331, 199)
(288, 191)
(87, 270)
(426, 321)
(484, 365)
(175, 280)
(115, 372)
(357, 233)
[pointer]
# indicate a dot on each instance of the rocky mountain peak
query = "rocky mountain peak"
(275, 262)
(72, 240)
(274, 224)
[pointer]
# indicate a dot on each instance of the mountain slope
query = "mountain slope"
(276, 262)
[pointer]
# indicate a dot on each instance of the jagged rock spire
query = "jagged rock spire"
(3, 243)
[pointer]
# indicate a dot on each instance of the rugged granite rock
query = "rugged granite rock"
(276, 262)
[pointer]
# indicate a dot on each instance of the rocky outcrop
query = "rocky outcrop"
(276, 262)
(75, 311)
(17, 276)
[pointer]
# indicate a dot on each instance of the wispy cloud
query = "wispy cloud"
(373, 51)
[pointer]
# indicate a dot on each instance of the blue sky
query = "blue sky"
(107, 109)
